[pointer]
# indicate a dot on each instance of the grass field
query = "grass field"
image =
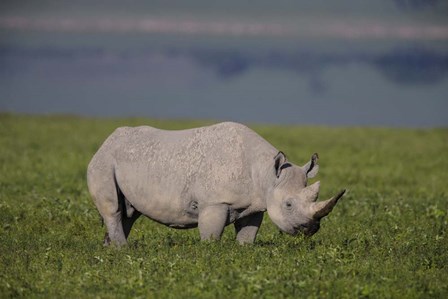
(387, 238)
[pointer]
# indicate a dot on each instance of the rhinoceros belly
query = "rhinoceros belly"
(158, 198)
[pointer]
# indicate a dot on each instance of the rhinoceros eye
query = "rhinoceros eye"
(288, 204)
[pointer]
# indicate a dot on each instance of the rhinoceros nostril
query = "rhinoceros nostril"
(194, 205)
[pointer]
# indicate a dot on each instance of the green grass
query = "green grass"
(387, 238)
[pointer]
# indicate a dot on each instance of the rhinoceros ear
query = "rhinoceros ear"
(280, 163)
(311, 168)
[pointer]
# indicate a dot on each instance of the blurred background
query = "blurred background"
(344, 62)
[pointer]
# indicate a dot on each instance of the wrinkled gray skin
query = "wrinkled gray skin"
(207, 177)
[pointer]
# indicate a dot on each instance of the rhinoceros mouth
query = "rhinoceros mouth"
(293, 231)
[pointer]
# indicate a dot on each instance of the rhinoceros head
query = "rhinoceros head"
(293, 205)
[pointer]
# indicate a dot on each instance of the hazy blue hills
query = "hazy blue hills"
(405, 65)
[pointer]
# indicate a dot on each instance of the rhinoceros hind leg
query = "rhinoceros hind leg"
(106, 241)
(129, 221)
(126, 223)
(106, 195)
(115, 232)
(246, 228)
(211, 221)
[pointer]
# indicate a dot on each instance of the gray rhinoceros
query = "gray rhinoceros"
(206, 177)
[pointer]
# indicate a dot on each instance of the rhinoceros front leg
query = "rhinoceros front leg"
(246, 228)
(212, 220)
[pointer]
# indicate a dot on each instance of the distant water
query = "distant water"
(402, 85)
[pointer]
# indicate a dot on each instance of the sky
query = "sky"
(375, 63)
(404, 19)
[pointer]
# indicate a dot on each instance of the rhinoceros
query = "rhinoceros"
(207, 177)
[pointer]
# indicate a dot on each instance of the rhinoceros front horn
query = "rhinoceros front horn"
(323, 208)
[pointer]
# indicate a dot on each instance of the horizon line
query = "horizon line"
(326, 29)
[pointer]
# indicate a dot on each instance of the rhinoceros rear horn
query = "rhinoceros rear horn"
(311, 193)
(323, 208)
